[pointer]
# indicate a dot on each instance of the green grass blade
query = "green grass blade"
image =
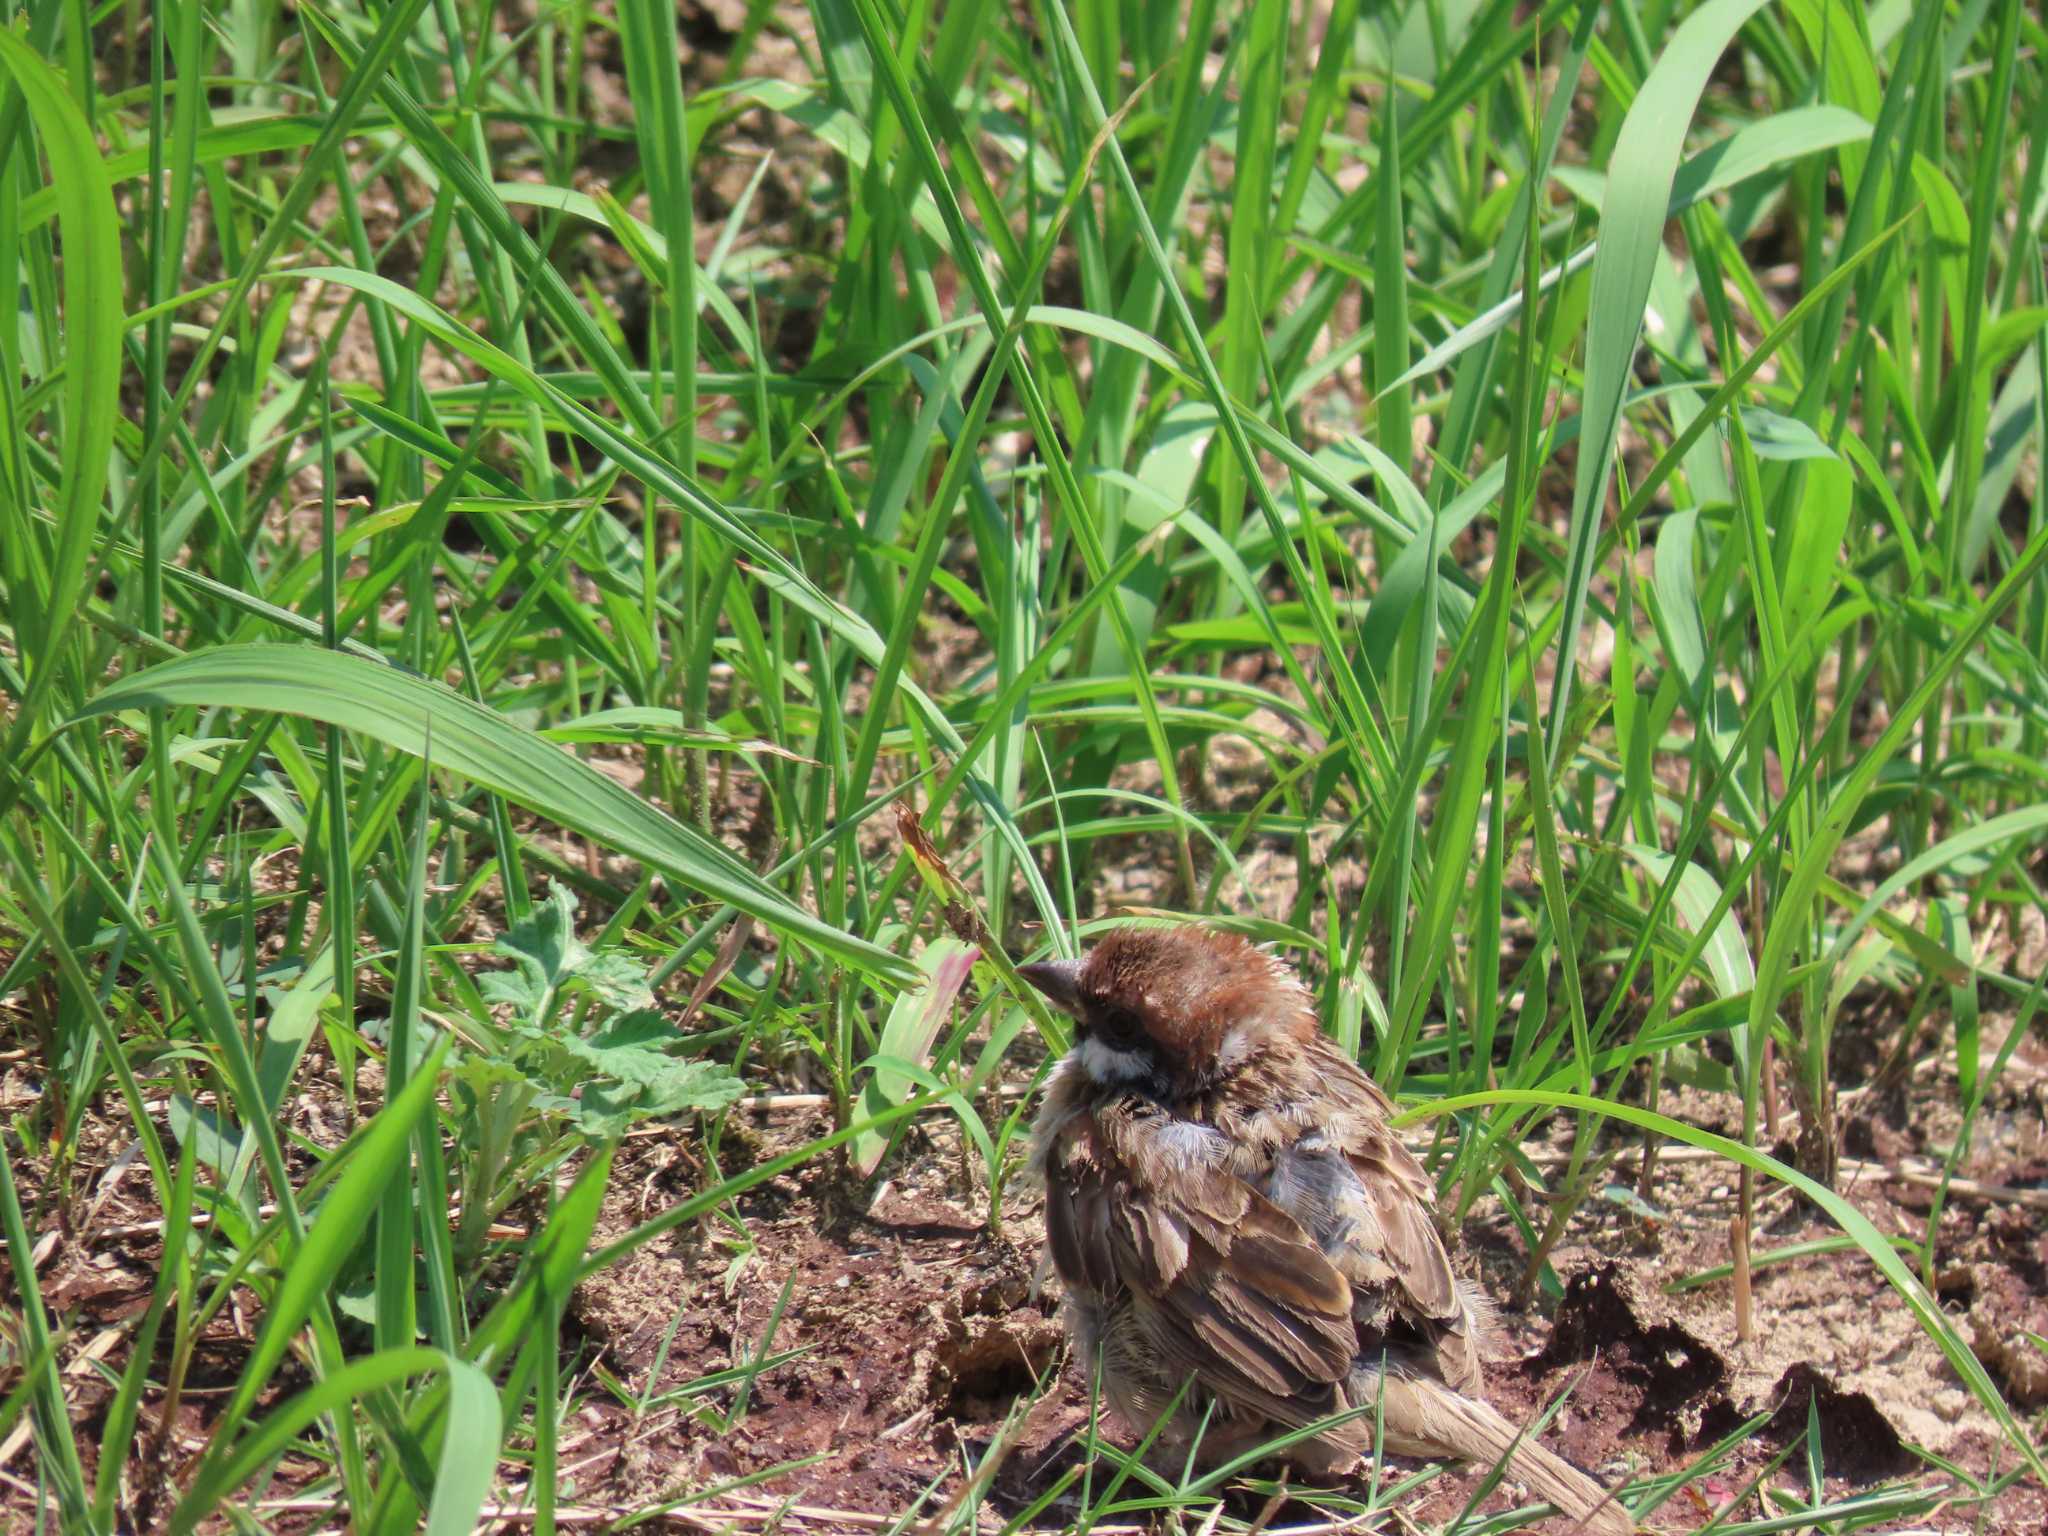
(1875, 1245)
(398, 709)
(92, 371)
(56, 1441)
(1632, 218)
(469, 1452)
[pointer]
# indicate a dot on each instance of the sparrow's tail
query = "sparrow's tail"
(1427, 1418)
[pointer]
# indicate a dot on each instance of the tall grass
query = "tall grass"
(1590, 455)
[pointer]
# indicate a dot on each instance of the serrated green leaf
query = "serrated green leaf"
(549, 960)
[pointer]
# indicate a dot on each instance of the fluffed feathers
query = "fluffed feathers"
(1228, 1208)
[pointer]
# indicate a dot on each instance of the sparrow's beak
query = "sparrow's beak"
(1059, 980)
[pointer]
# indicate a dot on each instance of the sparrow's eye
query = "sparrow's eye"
(1117, 1024)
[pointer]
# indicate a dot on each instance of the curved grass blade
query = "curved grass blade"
(92, 365)
(394, 707)
(344, 1216)
(1632, 217)
(270, 1438)
(1875, 1245)
(469, 1451)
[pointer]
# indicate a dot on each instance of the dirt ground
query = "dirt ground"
(919, 1330)
(911, 1333)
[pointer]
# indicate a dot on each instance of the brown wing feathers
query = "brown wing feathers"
(1256, 1304)
(1253, 1301)
(1077, 1218)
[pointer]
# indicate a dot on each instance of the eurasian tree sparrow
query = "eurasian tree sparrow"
(1227, 1207)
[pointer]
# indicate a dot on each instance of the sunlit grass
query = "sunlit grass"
(1589, 458)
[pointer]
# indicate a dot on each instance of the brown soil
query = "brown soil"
(917, 1333)
(921, 1330)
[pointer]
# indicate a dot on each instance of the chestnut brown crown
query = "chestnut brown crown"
(1188, 1003)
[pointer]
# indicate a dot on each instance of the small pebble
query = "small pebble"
(1950, 1402)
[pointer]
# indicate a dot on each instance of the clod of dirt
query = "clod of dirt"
(2019, 1241)
(1667, 1369)
(2013, 1359)
(983, 1363)
(1859, 1442)
(1881, 1137)
(997, 1343)
(1653, 1365)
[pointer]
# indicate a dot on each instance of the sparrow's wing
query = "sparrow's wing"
(1367, 1203)
(1232, 1290)
(1078, 1215)
(1356, 1199)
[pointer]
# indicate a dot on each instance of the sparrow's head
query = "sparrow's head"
(1174, 1009)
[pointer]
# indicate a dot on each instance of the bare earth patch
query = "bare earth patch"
(910, 1331)
(919, 1329)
